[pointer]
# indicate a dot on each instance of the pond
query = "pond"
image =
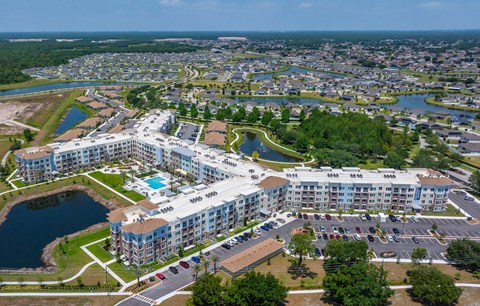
(54, 86)
(253, 143)
(418, 102)
(293, 70)
(33, 224)
(73, 117)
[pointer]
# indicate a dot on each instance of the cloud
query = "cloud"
(432, 5)
(305, 5)
(171, 2)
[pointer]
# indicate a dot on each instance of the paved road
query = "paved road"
(471, 207)
(188, 131)
(453, 229)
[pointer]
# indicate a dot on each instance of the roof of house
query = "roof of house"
(251, 255)
(107, 112)
(273, 181)
(145, 226)
(90, 122)
(83, 99)
(69, 135)
(147, 204)
(214, 138)
(132, 113)
(116, 215)
(117, 129)
(96, 105)
(217, 126)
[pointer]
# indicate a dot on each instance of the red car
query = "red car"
(184, 264)
(338, 236)
(358, 230)
(305, 216)
(160, 276)
(328, 217)
(332, 236)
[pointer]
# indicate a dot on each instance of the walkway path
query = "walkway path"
(5, 157)
(111, 189)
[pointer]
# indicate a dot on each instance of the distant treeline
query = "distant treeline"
(14, 57)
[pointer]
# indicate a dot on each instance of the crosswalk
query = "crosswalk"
(144, 299)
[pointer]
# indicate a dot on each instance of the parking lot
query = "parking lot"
(188, 131)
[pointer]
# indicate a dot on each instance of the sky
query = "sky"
(237, 15)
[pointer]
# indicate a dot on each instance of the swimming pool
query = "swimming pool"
(156, 182)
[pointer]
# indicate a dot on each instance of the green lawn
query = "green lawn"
(116, 182)
(69, 263)
(244, 228)
(19, 183)
(99, 252)
(450, 212)
(122, 272)
(370, 164)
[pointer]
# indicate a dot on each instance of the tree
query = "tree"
(206, 265)
(28, 134)
(475, 180)
(193, 111)
(138, 273)
(267, 117)
(434, 227)
(252, 118)
(255, 289)
(433, 287)
(285, 116)
(207, 115)
(339, 253)
(255, 155)
(16, 144)
(358, 284)
(182, 110)
(465, 253)
(419, 254)
(215, 259)
(302, 115)
(301, 245)
(394, 160)
(196, 269)
(207, 290)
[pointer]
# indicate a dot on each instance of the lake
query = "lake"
(293, 70)
(418, 102)
(253, 143)
(73, 117)
(54, 86)
(31, 225)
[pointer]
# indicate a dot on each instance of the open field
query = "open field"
(61, 301)
(93, 275)
(116, 182)
(473, 161)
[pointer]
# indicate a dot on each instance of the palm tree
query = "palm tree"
(255, 155)
(205, 265)
(196, 269)
(215, 259)
(138, 272)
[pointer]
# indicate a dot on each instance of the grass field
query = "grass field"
(81, 180)
(68, 264)
(116, 182)
(370, 164)
(61, 301)
(99, 252)
(93, 275)
(119, 269)
(473, 161)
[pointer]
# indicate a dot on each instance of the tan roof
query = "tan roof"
(429, 180)
(90, 122)
(132, 113)
(116, 215)
(107, 112)
(113, 95)
(83, 99)
(96, 105)
(251, 255)
(69, 135)
(214, 138)
(217, 126)
(117, 129)
(273, 181)
(34, 155)
(147, 204)
(145, 226)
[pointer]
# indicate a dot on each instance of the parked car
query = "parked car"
(322, 217)
(300, 216)
(357, 237)
(233, 242)
(160, 276)
(322, 228)
(195, 259)
(316, 216)
(358, 230)
(414, 219)
(395, 238)
(370, 238)
(328, 217)
(173, 270)
(317, 252)
(334, 229)
(395, 231)
(392, 218)
(341, 230)
(184, 264)
(338, 237)
(345, 237)
(332, 236)
(415, 240)
(245, 236)
(239, 239)
(347, 230)
(389, 238)
(362, 217)
(367, 216)
(257, 231)
(325, 236)
(226, 246)
(467, 198)
(305, 216)
(371, 229)
(265, 228)
(281, 220)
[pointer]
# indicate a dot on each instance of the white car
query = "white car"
(335, 229)
(322, 217)
(389, 238)
(414, 219)
(362, 217)
(257, 231)
(357, 237)
(233, 242)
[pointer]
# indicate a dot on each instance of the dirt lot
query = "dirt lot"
(32, 110)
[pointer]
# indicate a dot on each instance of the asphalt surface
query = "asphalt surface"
(187, 131)
(453, 229)
(471, 207)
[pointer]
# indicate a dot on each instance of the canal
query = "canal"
(33, 224)
(73, 117)
(253, 143)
